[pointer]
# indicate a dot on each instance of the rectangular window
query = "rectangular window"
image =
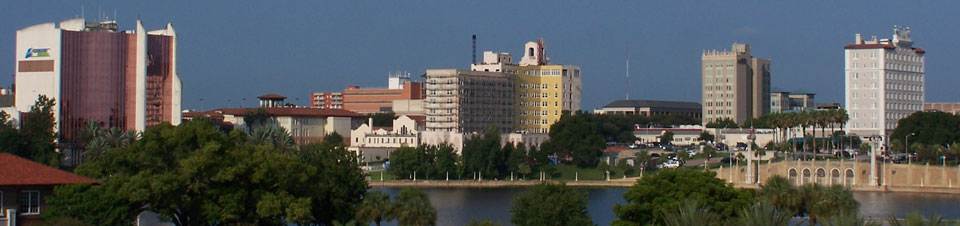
(29, 202)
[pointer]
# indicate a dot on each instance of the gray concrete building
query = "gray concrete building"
(781, 101)
(464, 101)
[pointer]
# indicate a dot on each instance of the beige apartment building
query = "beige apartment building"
(884, 82)
(736, 85)
(463, 101)
(952, 108)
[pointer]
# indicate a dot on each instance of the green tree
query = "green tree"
(37, 132)
(690, 212)
(482, 154)
(849, 219)
(382, 118)
(272, 135)
(406, 160)
(706, 136)
(10, 139)
(194, 174)
(579, 137)
(551, 204)
(334, 139)
(376, 207)
(817, 202)
(666, 138)
(763, 213)
(655, 193)
(474, 222)
(779, 191)
(253, 119)
(721, 123)
(91, 205)
(414, 208)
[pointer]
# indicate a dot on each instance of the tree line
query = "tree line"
(35, 139)
(196, 174)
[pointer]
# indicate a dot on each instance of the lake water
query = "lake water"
(457, 206)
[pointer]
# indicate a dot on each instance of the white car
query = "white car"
(633, 146)
(670, 164)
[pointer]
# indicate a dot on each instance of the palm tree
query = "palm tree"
(915, 219)
(376, 207)
(842, 118)
(690, 212)
(779, 191)
(849, 219)
(763, 214)
(413, 208)
(271, 134)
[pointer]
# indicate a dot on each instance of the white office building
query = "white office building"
(884, 82)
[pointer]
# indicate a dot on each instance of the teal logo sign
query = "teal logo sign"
(32, 52)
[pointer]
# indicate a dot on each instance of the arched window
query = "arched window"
(806, 176)
(835, 177)
(850, 178)
(793, 176)
(821, 176)
(530, 52)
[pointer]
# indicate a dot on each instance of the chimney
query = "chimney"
(859, 39)
(370, 121)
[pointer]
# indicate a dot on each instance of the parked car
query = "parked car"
(633, 146)
(671, 164)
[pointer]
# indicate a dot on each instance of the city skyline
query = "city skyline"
(232, 52)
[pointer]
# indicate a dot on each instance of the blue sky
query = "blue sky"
(230, 50)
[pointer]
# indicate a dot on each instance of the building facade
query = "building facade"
(791, 102)
(544, 90)
(367, 101)
(97, 73)
(736, 85)
(884, 82)
(952, 108)
(326, 100)
(462, 101)
(652, 107)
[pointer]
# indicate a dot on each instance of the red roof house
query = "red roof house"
(23, 186)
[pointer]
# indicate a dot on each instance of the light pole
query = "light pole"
(906, 146)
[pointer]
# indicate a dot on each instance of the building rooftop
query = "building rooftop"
(651, 104)
(292, 111)
(17, 171)
(272, 96)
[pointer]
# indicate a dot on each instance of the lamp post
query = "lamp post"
(906, 146)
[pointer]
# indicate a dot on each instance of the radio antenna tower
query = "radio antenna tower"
(628, 71)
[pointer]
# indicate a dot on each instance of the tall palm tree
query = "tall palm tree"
(849, 219)
(842, 118)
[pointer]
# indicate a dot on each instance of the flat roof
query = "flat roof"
(652, 104)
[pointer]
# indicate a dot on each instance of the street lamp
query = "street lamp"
(906, 146)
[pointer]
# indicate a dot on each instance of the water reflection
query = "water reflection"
(457, 206)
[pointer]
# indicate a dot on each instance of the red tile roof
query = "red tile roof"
(272, 96)
(869, 46)
(292, 111)
(16, 171)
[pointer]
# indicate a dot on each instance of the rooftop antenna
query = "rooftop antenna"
(628, 70)
(82, 11)
(474, 48)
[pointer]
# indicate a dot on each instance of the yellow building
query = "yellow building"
(544, 90)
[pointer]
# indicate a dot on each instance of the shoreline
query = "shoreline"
(623, 183)
(617, 183)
